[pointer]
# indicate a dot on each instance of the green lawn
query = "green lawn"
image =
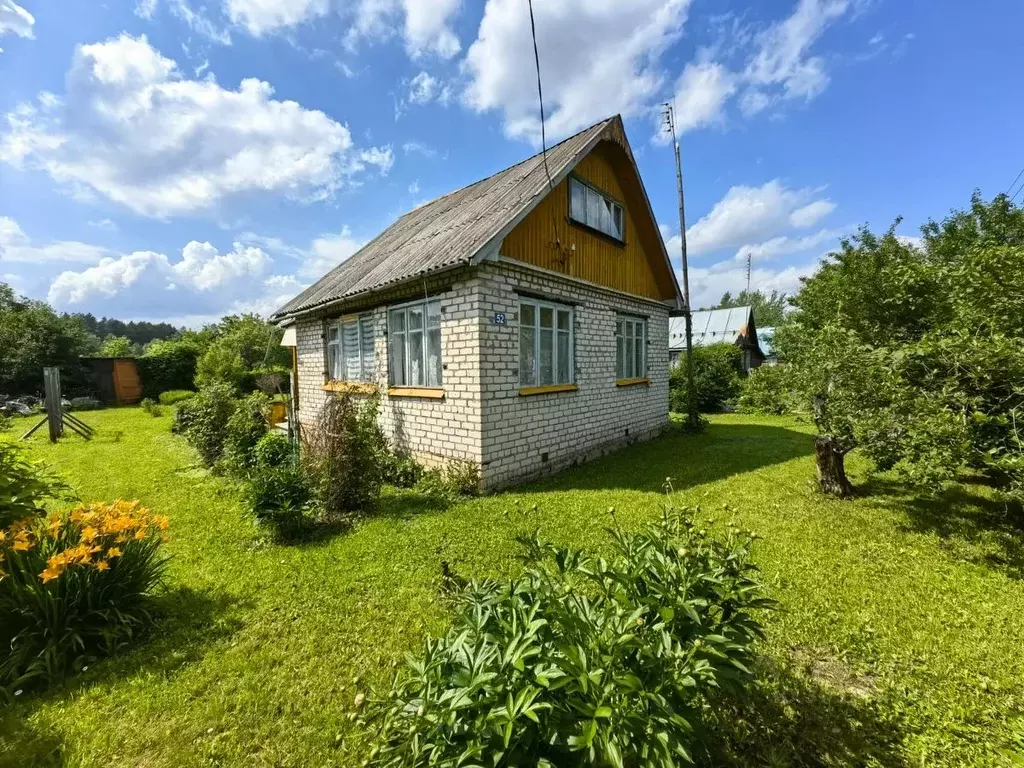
(900, 639)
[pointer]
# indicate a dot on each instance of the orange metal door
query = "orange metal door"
(127, 387)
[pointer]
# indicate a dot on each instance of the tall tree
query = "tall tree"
(769, 309)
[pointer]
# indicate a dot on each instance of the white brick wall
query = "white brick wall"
(483, 418)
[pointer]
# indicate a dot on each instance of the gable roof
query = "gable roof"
(459, 228)
(710, 326)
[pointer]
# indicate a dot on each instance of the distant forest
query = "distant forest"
(140, 333)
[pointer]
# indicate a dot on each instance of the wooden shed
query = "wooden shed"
(116, 379)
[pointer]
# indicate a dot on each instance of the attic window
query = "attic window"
(596, 210)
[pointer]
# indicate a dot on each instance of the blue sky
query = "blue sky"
(179, 160)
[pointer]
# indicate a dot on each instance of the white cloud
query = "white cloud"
(426, 26)
(783, 244)
(596, 58)
(145, 9)
(15, 246)
(701, 94)
(746, 214)
(414, 188)
(322, 255)
(707, 284)
(425, 88)
(107, 224)
(262, 17)
(811, 214)
(137, 131)
(914, 241)
(418, 147)
(199, 22)
(15, 20)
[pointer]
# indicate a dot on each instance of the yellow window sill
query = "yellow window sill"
(428, 392)
(525, 391)
(350, 387)
(631, 382)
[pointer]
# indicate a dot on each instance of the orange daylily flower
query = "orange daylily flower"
(114, 552)
(102, 565)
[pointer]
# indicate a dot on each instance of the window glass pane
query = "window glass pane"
(332, 333)
(416, 318)
(547, 361)
(563, 357)
(563, 320)
(606, 217)
(434, 314)
(547, 317)
(350, 351)
(639, 362)
(627, 372)
(415, 356)
(333, 361)
(366, 347)
(434, 357)
(617, 222)
(396, 350)
(578, 203)
(619, 358)
(397, 320)
(527, 314)
(527, 356)
(593, 208)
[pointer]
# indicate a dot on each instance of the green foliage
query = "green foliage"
(444, 485)
(148, 405)
(400, 470)
(246, 426)
(716, 378)
(343, 457)
(117, 346)
(175, 396)
(73, 587)
(32, 336)
(768, 390)
(138, 332)
(278, 497)
(203, 420)
(273, 450)
(913, 353)
(582, 661)
(243, 347)
(167, 366)
(769, 309)
(24, 485)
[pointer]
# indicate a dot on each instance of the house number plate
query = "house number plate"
(499, 318)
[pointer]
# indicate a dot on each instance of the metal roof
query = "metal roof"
(453, 230)
(710, 326)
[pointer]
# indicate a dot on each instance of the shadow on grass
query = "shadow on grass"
(187, 623)
(978, 528)
(722, 451)
(796, 718)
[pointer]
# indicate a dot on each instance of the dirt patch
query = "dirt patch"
(833, 673)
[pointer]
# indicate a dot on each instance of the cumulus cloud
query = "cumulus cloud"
(707, 284)
(425, 88)
(15, 246)
(15, 20)
(701, 94)
(311, 263)
(811, 214)
(596, 58)
(261, 17)
(425, 24)
(134, 129)
(784, 244)
(750, 214)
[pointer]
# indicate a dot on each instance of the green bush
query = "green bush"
(279, 498)
(150, 407)
(245, 428)
(400, 470)
(175, 396)
(222, 364)
(203, 420)
(582, 661)
(767, 390)
(716, 378)
(167, 366)
(73, 587)
(343, 457)
(273, 450)
(23, 486)
(446, 484)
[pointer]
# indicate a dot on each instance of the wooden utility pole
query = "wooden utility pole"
(693, 418)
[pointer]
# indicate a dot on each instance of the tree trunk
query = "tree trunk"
(829, 457)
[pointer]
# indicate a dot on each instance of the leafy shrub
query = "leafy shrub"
(222, 364)
(279, 498)
(447, 483)
(582, 661)
(74, 586)
(168, 366)
(150, 407)
(203, 420)
(400, 470)
(245, 428)
(767, 390)
(175, 396)
(273, 450)
(716, 378)
(23, 485)
(343, 457)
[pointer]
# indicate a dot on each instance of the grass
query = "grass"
(900, 640)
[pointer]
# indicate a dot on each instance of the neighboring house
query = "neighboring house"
(520, 324)
(718, 326)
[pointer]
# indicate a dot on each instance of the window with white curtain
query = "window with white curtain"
(350, 353)
(545, 343)
(596, 210)
(630, 347)
(414, 344)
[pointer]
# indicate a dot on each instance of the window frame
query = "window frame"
(406, 387)
(574, 179)
(635, 322)
(538, 304)
(365, 377)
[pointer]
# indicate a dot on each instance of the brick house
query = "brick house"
(519, 323)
